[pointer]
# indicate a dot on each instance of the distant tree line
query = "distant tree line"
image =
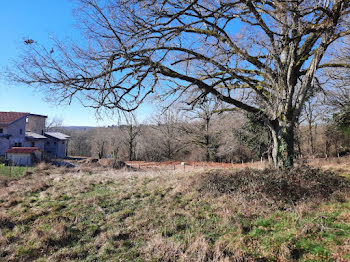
(208, 134)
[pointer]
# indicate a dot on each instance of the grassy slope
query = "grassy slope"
(126, 216)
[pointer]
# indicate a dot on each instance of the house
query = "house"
(12, 130)
(27, 130)
(56, 144)
(24, 156)
(35, 129)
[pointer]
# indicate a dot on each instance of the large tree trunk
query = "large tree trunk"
(283, 145)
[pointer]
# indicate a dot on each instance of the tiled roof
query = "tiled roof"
(57, 135)
(25, 150)
(7, 118)
(32, 135)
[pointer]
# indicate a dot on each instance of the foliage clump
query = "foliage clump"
(275, 186)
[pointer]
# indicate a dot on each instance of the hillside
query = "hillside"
(98, 214)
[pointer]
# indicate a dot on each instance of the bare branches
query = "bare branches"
(260, 56)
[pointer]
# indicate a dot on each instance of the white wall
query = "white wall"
(20, 159)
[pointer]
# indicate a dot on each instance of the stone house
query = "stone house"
(28, 130)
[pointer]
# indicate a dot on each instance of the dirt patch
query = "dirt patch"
(4, 182)
(113, 163)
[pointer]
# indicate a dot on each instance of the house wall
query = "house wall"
(37, 143)
(50, 147)
(4, 129)
(61, 148)
(4, 145)
(14, 130)
(20, 159)
(36, 124)
(38, 155)
(55, 147)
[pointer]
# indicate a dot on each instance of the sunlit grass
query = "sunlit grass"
(13, 171)
(166, 216)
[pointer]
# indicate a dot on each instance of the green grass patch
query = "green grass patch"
(14, 171)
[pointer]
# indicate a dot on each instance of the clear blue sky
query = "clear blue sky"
(37, 20)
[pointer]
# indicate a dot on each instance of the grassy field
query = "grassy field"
(205, 215)
(13, 171)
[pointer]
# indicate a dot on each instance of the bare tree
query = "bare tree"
(54, 124)
(131, 131)
(80, 142)
(315, 111)
(338, 78)
(99, 142)
(115, 142)
(259, 56)
(203, 133)
(169, 135)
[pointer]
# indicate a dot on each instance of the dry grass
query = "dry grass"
(340, 165)
(100, 214)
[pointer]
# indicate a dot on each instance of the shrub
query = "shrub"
(272, 185)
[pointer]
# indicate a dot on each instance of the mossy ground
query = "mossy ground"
(166, 216)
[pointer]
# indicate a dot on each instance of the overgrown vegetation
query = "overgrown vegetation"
(213, 215)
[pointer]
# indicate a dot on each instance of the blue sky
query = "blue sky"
(37, 20)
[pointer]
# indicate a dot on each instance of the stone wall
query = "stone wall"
(36, 124)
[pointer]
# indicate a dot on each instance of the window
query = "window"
(48, 142)
(33, 144)
(19, 144)
(16, 145)
(1, 131)
(21, 131)
(27, 119)
(54, 143)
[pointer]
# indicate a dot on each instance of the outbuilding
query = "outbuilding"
(23, 156)
(56, 144)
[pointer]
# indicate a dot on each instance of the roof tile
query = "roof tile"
(7, 118)
(23, 150)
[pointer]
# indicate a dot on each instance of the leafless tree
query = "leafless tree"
(115, 142)
(54, 124)
(338, 79)
(80, 142)
(259, 56)
(169, 135)
(99, 142)
(315, 111)
(202, 131)
(130, 133)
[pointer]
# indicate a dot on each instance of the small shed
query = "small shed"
(56, 144)
(24, 156)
